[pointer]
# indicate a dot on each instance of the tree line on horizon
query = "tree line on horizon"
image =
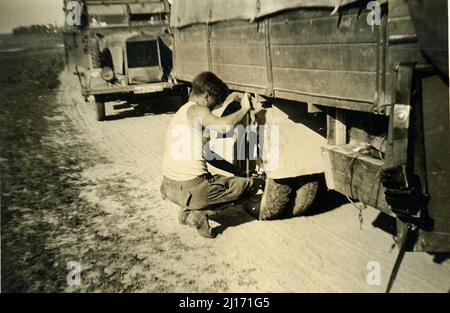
(37, 29)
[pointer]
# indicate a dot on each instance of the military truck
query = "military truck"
(357, 92)
(120, 51)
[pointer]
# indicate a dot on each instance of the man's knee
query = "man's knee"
(239, 186)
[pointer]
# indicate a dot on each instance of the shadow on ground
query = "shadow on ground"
(240, 214)
(388, 224)
(231, 216)
(145, 107)
(326, 202)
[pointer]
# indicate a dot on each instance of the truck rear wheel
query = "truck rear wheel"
(275, 199)
(289, 197)
(101, 114)
(305, 191)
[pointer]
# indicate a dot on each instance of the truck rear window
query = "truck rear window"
(142, 54)
(108, 20)
(149, 18)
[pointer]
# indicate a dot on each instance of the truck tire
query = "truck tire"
(305, 191)
(101, 114)
(275, 199)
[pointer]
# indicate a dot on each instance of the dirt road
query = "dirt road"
(145, 249)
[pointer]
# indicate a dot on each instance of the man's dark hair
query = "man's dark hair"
(210, 83)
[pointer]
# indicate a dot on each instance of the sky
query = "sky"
(15, 13)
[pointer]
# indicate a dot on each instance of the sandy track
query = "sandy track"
(324, 252)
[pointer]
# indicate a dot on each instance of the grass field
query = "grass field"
(38, 170)
(12, 46)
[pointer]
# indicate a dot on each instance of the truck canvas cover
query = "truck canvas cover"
(119, 8)
(187, 12)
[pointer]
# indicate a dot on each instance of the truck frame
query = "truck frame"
(363, 104)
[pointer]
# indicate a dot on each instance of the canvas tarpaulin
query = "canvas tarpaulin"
(187, 12)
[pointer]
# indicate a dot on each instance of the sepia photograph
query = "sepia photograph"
(245, 147)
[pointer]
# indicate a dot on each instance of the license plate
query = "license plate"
(148, 88)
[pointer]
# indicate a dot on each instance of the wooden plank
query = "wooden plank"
(331, 126)
(348, 57)
(238, 53)
(329, 102)
(189, 50)
(269, 65)
(227, 53)
(340, 128)
(291, 28)
(260, 90)
(404, 53)
(303, 14)
(355, 176)
(329, 170)
(238, 31)
(247, 75)
(190, 55)
(401, 26)
(346, 85)
(336, 127)
(369, 193)
(194, 33)
(188, 70)
(244, 88)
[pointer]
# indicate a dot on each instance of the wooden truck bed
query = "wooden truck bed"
(305, 55)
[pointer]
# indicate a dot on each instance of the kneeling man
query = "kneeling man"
(186, 180)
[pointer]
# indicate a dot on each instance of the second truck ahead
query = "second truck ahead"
(121, 51)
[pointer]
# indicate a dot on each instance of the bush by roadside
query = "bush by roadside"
(40, 69)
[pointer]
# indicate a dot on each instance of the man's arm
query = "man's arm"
(220, 124)
(226, 166)
(219, 162)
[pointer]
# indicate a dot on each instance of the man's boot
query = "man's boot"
(182, 216)
(252, 205)
(199, 220)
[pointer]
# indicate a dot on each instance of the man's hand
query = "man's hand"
(232, 97)
(245, 102)
(221, 124)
